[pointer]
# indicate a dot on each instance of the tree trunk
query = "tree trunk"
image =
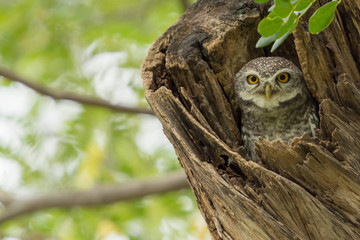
(307, 190)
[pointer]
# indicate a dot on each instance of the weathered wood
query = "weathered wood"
(335, 51)
(307, 190)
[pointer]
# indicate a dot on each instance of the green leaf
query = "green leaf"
(302, 4)
(322, 18)
(282, 38)
(282, 8)
(264, 41)
(278, 42)
(288, 25)
(261, 1)
(269, 26)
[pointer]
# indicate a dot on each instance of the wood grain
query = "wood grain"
(307, 190)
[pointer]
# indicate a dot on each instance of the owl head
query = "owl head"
(267, 82)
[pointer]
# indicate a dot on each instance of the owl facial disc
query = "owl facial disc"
(268, 87)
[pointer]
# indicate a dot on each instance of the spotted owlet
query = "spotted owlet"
(274, 101)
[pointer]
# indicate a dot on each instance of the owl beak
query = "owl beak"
(267, 91)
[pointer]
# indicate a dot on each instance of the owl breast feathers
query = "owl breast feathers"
(274, 101)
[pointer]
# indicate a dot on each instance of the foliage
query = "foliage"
(284, 17)
(95, 48)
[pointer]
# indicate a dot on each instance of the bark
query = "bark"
(307, 190)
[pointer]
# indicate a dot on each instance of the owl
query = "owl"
(275, 102)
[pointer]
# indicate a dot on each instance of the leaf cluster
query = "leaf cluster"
(284, 17)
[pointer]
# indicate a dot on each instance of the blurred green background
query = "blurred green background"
(94, 48)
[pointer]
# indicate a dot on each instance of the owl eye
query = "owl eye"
(252, 79)
(283, 77)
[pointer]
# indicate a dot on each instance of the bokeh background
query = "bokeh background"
(95, 48)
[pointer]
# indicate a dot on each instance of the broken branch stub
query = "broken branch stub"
(308, 190)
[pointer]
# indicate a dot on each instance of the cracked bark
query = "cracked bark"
(307, 190)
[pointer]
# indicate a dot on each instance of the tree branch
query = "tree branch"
(100, 195)
(59, 94)
(5, 199)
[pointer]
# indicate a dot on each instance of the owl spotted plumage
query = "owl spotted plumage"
(274, 101)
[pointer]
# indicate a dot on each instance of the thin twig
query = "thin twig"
(59, 94)
(96, 196)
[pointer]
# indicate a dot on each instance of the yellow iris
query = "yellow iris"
(283, 77)
(252, 79)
